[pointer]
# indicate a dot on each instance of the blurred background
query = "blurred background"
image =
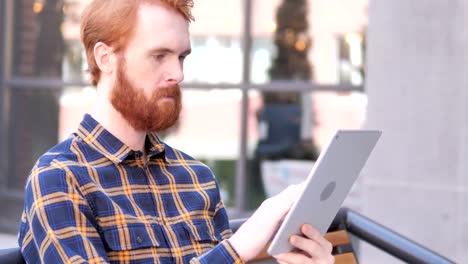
(267, 83)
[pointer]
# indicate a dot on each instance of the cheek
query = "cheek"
(146, 76)
(145, 80)
(152, 74)
(141, 71)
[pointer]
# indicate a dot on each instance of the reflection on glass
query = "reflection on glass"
(328, 111)
(39, 44)
(74, 60)
(46, 39)
(214, 59)
(261, 59)
(336, 110)
(74, 103)
(275, 163)
(324, 32)
(39, 119)
(210, 119)
(299, 40)
(219, 18)
(216, 42)
(351, 58)
(218, 59)
(331, 111)
(285, 116)
(32, 131)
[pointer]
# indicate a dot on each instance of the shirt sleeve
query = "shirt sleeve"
(59, 221)
(223, 252)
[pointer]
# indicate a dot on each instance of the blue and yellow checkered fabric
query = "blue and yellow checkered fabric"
(91, 199)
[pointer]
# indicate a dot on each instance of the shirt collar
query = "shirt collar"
(154, 146)
(95, 135)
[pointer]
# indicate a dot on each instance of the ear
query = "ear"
(105, 57)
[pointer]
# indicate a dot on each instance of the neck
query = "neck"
(115, 123)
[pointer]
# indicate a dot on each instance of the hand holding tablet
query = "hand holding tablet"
(327, 185)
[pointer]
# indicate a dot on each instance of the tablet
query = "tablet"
(329, 182)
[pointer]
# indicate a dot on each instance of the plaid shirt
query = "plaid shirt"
(91, 199)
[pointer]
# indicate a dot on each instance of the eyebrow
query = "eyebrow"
(162, 50)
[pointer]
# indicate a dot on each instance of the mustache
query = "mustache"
(169, 91)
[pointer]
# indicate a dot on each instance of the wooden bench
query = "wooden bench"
(342, 247)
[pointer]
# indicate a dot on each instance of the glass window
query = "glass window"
(303, 40)
(314, 46)
(216, 43)
(298, 39)
(351, 58)
(74, 103)
(47, 41)
(38, 120)
(285, 139)
(38, 41)
(214, 59)
(214, 17)
(33, 127)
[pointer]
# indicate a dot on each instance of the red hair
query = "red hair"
(113, 22)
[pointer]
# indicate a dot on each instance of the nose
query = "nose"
(175, 73)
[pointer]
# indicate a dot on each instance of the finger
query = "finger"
(293, 258)
(308, 246)
(278, 206)
(301, 257)
(312, 233)
(282, 202)
(293, 191)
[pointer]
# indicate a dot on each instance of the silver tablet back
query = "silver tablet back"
(328, 184)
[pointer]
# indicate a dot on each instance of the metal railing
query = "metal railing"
(379, 236)
(385, 239)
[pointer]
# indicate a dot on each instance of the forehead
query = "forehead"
(159, 25)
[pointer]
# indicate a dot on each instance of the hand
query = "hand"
(256, 232)
(311, 248)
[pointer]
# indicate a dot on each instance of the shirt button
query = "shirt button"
(139, 240)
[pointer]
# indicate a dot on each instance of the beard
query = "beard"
(154, 114)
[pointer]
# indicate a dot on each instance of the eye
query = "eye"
(159, 57)
(182, 58)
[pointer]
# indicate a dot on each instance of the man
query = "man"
(113, 192)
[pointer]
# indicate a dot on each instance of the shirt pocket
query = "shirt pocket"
(133, 236)
(203, 231)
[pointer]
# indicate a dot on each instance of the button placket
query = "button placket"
(150, 203)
